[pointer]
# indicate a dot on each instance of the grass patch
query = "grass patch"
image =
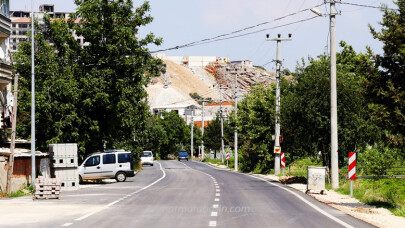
(218, 161)
(299, 167)
(385, 193)
(26, 191)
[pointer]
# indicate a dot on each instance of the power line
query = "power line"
(367, 6)
(241, 35)
(234, 32)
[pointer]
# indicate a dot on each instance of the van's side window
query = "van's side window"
(124, 158)
(109, 159)
(93, 161)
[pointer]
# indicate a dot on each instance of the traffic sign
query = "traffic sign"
(282, 160)
(352, 165)
(227, 156)
(277, 149)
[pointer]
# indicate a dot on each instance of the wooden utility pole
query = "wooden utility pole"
(12, 146)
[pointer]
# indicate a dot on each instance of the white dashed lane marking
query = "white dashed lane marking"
(213, 223)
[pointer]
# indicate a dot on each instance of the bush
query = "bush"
(299, 167)
(377, 159)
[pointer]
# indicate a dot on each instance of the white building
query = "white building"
(21, 24)
(243, 63)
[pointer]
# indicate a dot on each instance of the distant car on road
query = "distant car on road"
(109, 164)
(166, 86)
(183, 155)
(147, 158)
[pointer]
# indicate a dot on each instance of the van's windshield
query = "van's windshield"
(146, 154)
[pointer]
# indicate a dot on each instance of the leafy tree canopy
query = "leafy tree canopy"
(92, 95)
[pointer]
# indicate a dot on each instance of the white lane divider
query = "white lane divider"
(296, 195)
(110, 204)
(214, 213)
(213, 223)
(67, 224)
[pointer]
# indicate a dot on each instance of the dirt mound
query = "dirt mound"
(187, 82)
(293, 180)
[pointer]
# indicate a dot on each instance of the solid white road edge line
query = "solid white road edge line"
(110, 204)
(67, 224)
(296, 195)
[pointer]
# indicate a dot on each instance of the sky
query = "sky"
(180, 22)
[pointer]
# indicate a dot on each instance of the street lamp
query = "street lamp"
(32, 97)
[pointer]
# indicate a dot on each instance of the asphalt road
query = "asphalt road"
(178, 194)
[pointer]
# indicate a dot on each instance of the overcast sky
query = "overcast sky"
(183, 21)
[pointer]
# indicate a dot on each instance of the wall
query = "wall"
(21, 173)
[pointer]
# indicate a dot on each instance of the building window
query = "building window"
(23, 32)
(14, 25)
(14, 32)
(23, 26)
(14, 40)
(14, 47)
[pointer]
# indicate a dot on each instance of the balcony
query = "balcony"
(5, 28)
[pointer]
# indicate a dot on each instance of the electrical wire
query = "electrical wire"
(367, 6)
(234, 32)
(245, 34)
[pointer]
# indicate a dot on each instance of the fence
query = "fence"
(394, 172)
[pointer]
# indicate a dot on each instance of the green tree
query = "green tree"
(155, 138)
(177, 131)
(306, 107)
(91, 95)
(212, 135)
(255, 129)
(385, 83)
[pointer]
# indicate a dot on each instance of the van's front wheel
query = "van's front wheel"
(121, 177)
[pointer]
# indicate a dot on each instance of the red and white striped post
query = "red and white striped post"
(352, 170)
(282, 161)
(227, 158)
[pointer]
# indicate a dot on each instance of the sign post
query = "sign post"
(282, 161)
(227, 158)
(352, 170)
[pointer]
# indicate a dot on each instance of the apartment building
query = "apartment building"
(21, 24)
(6, 97)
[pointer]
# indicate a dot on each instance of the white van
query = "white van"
(147, 158)
(109, 164)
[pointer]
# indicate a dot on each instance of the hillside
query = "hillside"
(173, 87)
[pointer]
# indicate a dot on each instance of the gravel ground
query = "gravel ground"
(379, 217)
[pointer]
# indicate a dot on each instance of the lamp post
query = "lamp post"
(32, 97)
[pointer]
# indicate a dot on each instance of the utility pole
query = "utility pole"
(32, 97)
(222, 123)
(333, 101)
(192, 131)
(277, 149)
(12, 146)
(236, 117)
(202, 130)
(236, 126)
